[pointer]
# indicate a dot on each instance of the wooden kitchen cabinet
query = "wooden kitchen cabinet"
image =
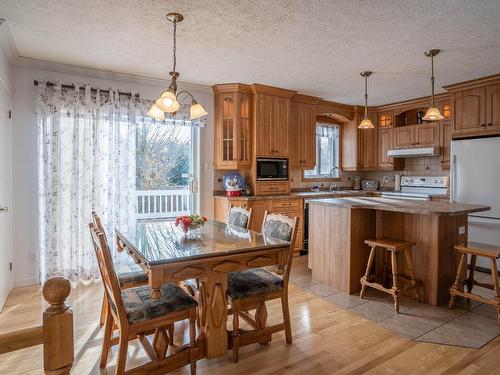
(302, 132)
(493, 107)
(368, 146)
(272, 187)
(445, 145)
(469, 110)
(425, 135)
(271, 120)
(232, 128)
(386, 143)
(403, 137)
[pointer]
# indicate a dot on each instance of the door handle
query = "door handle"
(4, 209)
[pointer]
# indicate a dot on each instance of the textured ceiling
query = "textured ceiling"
(316, 47)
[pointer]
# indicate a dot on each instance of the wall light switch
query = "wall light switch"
(461, 230)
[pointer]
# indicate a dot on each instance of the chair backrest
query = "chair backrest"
(239, 216)
(284, 228)
(97, 222)
(108, 275)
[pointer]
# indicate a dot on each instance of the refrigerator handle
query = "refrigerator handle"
(453, 178)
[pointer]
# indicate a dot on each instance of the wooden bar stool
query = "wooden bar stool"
(476, 249)
(393, 246)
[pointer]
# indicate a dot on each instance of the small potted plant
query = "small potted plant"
(191, 225)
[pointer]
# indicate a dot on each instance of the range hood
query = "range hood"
(414, 152)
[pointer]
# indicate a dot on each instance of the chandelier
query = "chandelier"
(170, 101)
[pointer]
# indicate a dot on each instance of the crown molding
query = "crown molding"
(26, 62)
(6, 42)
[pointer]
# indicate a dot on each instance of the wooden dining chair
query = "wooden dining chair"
(137, 315)
(239, 216)
(126, 279)
(250, 289)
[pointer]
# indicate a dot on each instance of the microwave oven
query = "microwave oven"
(272, 169)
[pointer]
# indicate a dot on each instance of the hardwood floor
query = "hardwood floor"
(328, 339)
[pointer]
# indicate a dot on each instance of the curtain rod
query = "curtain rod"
(36, 83)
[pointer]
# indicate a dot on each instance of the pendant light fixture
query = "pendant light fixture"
(366, 123)
(170, 100)
(432, 113)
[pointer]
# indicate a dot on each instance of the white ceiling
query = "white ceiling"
(317, 47)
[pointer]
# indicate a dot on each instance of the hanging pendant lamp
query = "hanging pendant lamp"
(366, 123)
(170, 100)
(432, 113)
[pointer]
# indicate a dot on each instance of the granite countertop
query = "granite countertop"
(303, 194)
(403, 205)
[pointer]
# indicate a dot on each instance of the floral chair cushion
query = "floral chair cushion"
(140, 306)
(237, 218)
(132, 279)
(252, 282)
(277, 229)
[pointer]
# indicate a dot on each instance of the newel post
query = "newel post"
(58, 353)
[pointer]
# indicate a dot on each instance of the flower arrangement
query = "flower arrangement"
(190, 222)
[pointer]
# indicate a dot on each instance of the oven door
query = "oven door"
(272, 169)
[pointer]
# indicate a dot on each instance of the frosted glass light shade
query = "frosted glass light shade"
(167, 102)
(366, 124)
(433, 114)
(197, 111)
(156, 113)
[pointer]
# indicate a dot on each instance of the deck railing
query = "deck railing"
(162, 204)
(55, 333)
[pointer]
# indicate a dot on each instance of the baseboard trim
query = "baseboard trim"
(25, 282)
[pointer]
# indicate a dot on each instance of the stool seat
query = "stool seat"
(390, 244)
(481, 249)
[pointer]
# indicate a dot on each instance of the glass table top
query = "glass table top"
(161, 242)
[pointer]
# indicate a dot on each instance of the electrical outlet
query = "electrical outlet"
(461, 230)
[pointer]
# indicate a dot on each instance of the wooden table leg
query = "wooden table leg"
(155, 283)
(215, 313)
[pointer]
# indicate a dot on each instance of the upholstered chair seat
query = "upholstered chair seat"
(140, 306)
(252, 282)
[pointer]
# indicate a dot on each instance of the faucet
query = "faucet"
(340, 174)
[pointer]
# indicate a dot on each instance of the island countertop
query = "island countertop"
(403, 205)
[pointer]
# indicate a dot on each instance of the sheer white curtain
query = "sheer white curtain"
(86, 160)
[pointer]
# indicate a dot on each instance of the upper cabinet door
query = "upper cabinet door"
(426, 135)
(302, 135)
(384, 145)
(263, 124)
(403, 137)
(493, 107)
(232, 127)
(243, 130)
(279, 134)
(469, 107)
(308, 136)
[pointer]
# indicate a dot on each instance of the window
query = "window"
(327, 151)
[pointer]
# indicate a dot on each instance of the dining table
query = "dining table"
(167, 254)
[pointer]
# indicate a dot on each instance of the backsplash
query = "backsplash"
(430, 166)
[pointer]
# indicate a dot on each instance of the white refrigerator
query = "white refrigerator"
(475, 178)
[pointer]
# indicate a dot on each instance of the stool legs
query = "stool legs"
(470, 280)
(457, 284)
(366, 277)
(395, 289)
(494, 276)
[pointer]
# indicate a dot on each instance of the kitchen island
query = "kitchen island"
(338, 228)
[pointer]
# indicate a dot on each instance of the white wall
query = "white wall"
(5, 174)
(25, 216)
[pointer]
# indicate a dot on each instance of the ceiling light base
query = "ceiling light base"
(175, 17)
(432, 52)
(366, 73)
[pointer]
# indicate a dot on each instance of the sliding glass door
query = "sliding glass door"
(167, 170)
